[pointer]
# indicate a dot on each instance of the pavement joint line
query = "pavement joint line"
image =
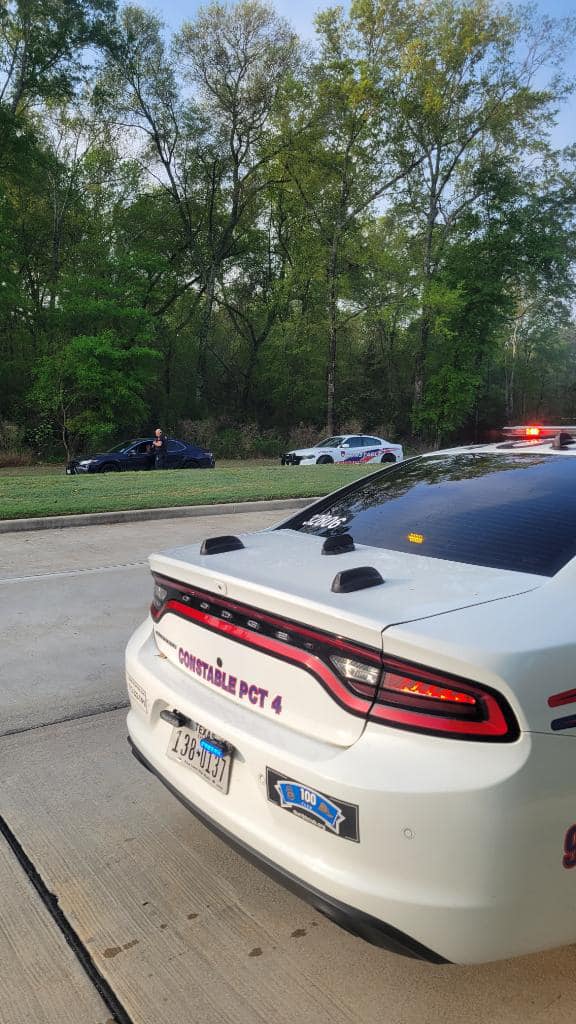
(141, 515)
(72, 572)
(51, 902)
(68, 718)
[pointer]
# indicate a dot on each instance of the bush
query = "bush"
(201, 432)
(353, 426)
(246, 440)
(14, 458)
(11, 436)
(13, 451)
(304, 436)
(232, 440)
(268, 444)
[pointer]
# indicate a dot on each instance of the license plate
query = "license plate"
(204, 753)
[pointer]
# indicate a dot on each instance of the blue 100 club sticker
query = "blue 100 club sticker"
(336, 817)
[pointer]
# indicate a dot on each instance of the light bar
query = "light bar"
(537, 431)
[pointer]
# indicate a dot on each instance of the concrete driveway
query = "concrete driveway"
(115, 904)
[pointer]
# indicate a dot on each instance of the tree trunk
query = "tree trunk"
(419, 362)
(332, 338)
(54, 272)
(425, 320)
(510, 372)
(65, 434)
(248, 380)
(168, 356)
(204, 333)
(20, 80)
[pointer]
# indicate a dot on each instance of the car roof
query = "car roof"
(544, 445)
(346, 436)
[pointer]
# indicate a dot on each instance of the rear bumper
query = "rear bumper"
(459, 851)
(349, 918)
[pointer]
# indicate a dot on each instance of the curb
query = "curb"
(141, 515)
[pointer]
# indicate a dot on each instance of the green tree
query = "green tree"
(210, 145)
(468, 97)
(345, 155)
(376, 232)
(42, 46)
(92, 388)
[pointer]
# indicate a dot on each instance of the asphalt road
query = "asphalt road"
(69, 599)
(168, 922)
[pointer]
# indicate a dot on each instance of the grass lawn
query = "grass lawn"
(34, 491)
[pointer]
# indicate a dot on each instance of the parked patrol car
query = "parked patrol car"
(345, 448)
(376, 699)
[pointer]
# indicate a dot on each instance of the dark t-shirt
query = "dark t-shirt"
(160, 449)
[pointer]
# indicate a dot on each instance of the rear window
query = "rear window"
(508, 511)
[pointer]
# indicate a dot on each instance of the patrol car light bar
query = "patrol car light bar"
(537, 432)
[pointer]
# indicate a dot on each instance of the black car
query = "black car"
(139, 454)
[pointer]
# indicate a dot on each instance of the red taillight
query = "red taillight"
(410, 697)
(403, 684)
(387, 691)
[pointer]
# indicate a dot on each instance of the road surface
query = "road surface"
(115, 903)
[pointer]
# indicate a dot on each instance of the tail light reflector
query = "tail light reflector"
(411, 697)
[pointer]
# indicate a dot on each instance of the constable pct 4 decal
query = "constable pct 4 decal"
(338, 818)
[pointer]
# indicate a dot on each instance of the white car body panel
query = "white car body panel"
(280, 575)
(283, 587)
(460, 844)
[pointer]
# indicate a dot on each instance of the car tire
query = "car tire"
(388, 457)
(109, 467)
(324, 460)
(191, 464)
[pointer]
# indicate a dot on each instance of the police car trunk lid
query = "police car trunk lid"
(240, 624)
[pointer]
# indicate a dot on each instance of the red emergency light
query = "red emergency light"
(537, 432)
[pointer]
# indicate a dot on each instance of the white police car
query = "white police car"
(376, 700)
(345, 448)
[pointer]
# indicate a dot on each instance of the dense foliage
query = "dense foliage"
(248, 238)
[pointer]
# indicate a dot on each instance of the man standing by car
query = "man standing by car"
(159, 447)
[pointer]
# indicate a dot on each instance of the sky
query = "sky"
(300, 13)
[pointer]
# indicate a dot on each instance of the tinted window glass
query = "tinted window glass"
(509, 511)
(356, 442)
(372, 441)
(175, 446)
(122, 447)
